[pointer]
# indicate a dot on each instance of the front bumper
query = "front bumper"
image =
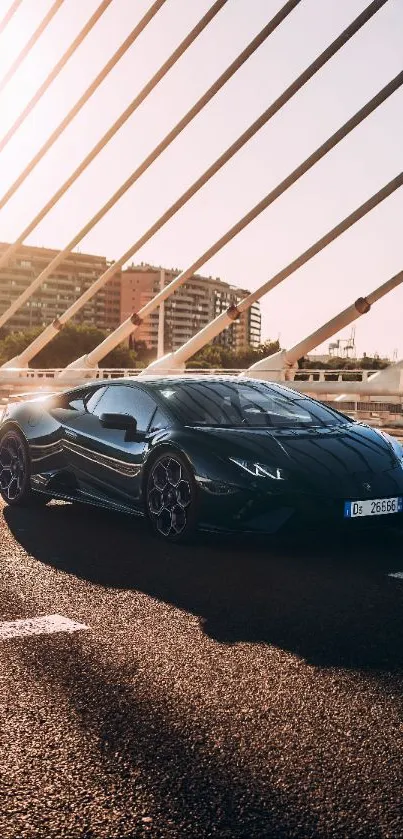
(261, 510)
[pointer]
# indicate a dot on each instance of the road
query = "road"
(223, 689)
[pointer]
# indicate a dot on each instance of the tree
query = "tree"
(338, 363)
(70, 343)
(214, 355)
(75, 340)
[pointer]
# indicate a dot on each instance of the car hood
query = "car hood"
(338, 451)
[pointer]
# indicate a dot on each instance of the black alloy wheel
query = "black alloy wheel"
(15, 471)
(171, 497)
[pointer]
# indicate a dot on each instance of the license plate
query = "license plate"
(373, 507)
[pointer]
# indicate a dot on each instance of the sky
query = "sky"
(360, 260)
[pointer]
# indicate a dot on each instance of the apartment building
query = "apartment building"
(189, 309)
(73, 276)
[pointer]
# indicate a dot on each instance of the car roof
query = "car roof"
(155, 382)
(176, 379)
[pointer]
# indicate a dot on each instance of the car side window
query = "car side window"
(159, 421)
(74, 401)
(94, 398)
(127, 399)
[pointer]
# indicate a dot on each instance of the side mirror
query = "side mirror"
(123, 422)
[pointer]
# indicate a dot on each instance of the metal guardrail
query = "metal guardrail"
(371, 408)
(38, 374)
(15, 382)
(329, 375)
(11, 375)
(19, 383)
(8, 375)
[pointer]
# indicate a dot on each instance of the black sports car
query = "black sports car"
(219, 453)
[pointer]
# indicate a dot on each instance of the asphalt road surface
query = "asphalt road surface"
(226, 689)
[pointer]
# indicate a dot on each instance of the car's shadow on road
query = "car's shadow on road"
(324, 597)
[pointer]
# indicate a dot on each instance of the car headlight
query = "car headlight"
(260, 470)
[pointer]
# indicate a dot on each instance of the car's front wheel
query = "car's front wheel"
(171, 497)
(15, 471)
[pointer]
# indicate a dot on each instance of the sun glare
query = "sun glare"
(19, 79)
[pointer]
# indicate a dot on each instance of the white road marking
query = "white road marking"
(397, 574)
(44, 625)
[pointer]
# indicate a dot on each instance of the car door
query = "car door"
(67, 409)
(107, 462)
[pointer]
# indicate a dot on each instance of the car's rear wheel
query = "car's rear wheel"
(15, 471)
(171, 497)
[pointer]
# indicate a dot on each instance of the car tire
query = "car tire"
(171, 497)
(15, 472)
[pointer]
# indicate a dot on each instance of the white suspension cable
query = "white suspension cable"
(7, 17)
(32, 41)
(55, 72)
(361, 306)
(134, 34)
(52, 329)
(179, 357)
(231, 70)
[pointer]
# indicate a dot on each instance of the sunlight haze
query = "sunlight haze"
(363, 258)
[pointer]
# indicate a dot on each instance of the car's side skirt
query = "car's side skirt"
(85, 498)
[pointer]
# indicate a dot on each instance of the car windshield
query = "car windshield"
(236, 404)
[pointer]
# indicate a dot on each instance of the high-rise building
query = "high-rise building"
(75, 274)
(189, 309)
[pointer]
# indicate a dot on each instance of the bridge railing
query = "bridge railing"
(19, 383)
(38, 375)
(325, 375)
(328, 375)
(371, 409)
